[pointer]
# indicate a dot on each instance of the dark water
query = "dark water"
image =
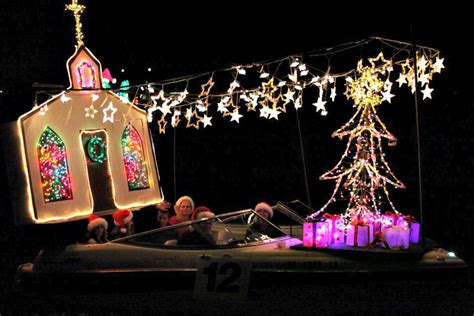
(430, 293)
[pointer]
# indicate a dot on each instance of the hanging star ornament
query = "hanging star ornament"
(427, 92)
(189, 113)
(206, 121)
(381, 63)
(193, 118)
(265, 112)
(320, 105)
(162, 122)
(333, 93)
(222, 105)
(165, 108)
(175, 118)
(298, 103)
(109, 117)
(159, 96)
(235, 116)
(289, 96)
(206, 88)
(387, 96)
(252, 102)
(201, 106)
(401, 80)
(273, 113)
(268, 88)
(438, 65)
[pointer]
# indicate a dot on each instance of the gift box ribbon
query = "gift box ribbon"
(356, 225)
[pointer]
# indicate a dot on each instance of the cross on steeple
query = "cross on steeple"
(77, 10)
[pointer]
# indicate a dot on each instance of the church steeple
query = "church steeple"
(84, 69)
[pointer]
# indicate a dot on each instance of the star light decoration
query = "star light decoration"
(109, 112)
(91, 111)
(270, 98)
(277, 91)
(362, 173)
(425, 70)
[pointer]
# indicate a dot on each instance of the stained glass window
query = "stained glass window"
(134, 160)
(52, 158)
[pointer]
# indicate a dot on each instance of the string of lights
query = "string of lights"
(282, 82)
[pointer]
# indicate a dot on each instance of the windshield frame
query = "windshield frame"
(217, 220)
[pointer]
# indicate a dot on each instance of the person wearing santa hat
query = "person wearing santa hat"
(258, 227)
(199, 233)
(265, 210)
(124, 226)
(97, 230)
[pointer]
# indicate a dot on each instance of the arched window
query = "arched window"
(86, 75)
(54, 171)
(134, 160)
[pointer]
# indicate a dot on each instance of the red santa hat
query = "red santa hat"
(95, 221)
(202, 212)
(181, 199)
(122, 218)
(107, 75)
(265, 207)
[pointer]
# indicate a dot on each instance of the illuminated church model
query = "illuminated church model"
(84, 151)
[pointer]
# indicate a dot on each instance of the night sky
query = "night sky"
(230, 167)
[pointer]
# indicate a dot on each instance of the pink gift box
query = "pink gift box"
(308, 234)
(316, 234)
(336, 228)
(337, 232)
(322, 236)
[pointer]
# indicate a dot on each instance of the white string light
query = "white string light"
(283, 82)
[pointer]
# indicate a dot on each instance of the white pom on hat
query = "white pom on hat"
(265, 207)
(95, 221)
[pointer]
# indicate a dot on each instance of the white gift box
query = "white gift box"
(396, 237)
(414, 229)
(336, 230)
(359, 235)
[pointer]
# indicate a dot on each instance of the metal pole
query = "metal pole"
(420, 184)
(302, 159)
(174, 163)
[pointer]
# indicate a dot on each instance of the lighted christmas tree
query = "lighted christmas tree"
(362, 174)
